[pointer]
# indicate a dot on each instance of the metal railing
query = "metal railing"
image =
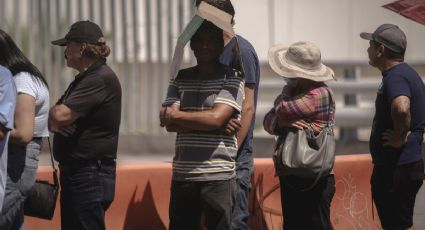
(141, 34)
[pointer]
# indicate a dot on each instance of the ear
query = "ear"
(83, 48)
(380, 50)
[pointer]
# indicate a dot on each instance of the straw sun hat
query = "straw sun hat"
(300, 60)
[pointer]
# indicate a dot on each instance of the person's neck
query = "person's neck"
(388, 64)
(206, 70)
(86, 63)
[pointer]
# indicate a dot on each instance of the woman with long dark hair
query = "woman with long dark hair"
(30, 126)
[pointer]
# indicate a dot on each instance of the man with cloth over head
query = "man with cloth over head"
(200, 101)
(245, 127)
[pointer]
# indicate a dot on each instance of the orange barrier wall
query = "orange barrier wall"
(142, 196)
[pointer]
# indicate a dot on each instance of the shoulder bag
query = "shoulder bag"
(41, 201)
(305, 155)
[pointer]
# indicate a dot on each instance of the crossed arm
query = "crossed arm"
(180, 121)
(61, 119)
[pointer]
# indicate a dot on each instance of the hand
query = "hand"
(391, 139)
(66, 130)
(166, 115)
(298, 124)
(232, 127)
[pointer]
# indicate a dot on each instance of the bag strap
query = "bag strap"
(329, 123)
(55, 171)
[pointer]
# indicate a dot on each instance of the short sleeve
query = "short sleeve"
(232, 92)
(250, 66)
(25, 84)
(173, 95)
(7, 98)
(89, 93)
(397, 85)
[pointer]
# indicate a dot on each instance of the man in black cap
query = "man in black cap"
(396, 140)
(86, 122)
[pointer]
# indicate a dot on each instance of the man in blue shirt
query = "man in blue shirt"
(231, 56)
(7, 110)
(396, 140)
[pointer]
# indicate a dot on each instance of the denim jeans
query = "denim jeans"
(21, 174)
(244, 170)
(87, 191)
(189, 199)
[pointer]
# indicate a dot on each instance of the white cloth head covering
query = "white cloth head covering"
(205, 11)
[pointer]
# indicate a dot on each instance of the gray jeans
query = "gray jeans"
(21, 174)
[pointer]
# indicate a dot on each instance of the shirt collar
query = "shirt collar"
(93, 67)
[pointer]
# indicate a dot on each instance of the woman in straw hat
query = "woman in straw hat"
(305, 102)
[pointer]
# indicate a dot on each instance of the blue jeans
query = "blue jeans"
(87, 191)
(21, 174)
(244, 170)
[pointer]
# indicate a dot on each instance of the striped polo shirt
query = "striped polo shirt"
(205, 155)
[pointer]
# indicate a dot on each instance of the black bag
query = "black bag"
(41, 201)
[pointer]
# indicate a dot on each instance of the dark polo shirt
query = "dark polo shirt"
(96, 95)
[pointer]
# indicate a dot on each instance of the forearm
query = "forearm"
(20, 137)
(293, 107)
(201, 121)
(177, 128)
(401, 120)
(60, 116)
(248, 110)
(247, 116)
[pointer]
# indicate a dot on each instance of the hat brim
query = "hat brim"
(284, 68)
(366, 36)
(60, 42)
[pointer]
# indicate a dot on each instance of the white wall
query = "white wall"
(334, 25)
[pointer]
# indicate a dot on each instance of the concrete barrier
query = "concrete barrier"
(142, 197)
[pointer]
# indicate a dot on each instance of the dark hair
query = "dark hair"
(98, 50)
(224, 5)
(12, 58)
(389, 54)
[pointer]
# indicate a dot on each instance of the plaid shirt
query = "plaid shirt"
(311, 105)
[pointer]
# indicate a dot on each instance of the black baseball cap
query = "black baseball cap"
(389, 35)
(81, 31)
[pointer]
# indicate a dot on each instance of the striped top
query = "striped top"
(205, 155)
